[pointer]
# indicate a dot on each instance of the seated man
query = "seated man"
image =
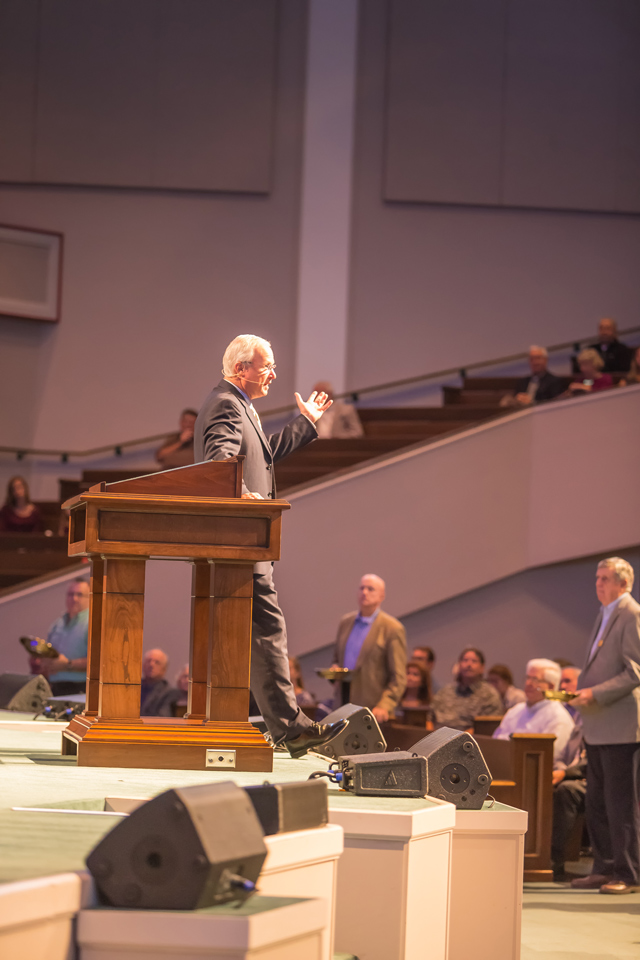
(456, 704)
(500, 677)
(177, 450)
(373, 645)
(537, 714)
(569, 783)
(427, 658)
(156, 696)
(539, 387)
(341, 420)
(67, 674)
(617, 356)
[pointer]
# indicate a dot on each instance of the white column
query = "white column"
(323, 292)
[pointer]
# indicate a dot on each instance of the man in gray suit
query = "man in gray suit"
(228, 425)
(609, 701)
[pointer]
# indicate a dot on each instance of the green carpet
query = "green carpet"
(561, 924)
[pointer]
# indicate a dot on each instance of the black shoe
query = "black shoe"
(314, 736)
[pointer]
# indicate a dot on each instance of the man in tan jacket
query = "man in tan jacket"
(373, 645)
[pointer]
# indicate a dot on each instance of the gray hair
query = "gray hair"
(622, 568)
(542, 350)
(551, 672)
(242, 350)
(593, 356)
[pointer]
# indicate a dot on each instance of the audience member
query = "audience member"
(569, 683)
(155, 692)
(539, 387)
(427, 659)
(67, 674)
(569, 784)
(303, 697)
(469, 696)
(417, 692)
(591, 379)
(633, 376)
(615, 355)
(177, 450)
(608, 697)
(19, 514)
(501, 678)
(373, 644)
(537, 714)
(341, 420)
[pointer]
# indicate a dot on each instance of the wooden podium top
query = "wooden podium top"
(211, 478)
(188, 512)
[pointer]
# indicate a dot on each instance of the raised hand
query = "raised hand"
(315, 406)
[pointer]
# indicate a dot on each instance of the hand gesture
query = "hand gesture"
(315, 405)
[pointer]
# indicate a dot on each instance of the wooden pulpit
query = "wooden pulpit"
(193, 514)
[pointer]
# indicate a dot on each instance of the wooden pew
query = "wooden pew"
(521, 771)
(27, 555)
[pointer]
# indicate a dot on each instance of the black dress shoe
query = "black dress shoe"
(314, 736)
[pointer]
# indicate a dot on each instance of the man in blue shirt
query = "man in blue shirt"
(67, 674)
(373, 644)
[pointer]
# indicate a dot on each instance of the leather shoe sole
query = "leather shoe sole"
(315, 736)
(618, 888)
(595, 881)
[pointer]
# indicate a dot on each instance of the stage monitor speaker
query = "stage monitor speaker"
(362, 735)
(23, 692)
(284, 807)
(456, 769)
(185, 849)
(397, 774)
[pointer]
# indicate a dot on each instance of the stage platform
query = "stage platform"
(397, 873)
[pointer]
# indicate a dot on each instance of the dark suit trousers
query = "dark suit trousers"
(612, 809)
(270, 681)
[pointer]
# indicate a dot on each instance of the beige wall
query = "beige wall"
(156, 283)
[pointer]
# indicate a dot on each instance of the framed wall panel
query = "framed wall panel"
(30, 273)
(168, 94)
(445, 67)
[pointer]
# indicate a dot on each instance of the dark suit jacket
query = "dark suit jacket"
(227, 428)
(549, 387)
(614, 674)
(380, 672)
(617, 356)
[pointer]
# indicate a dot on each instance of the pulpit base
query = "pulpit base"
(164, 744)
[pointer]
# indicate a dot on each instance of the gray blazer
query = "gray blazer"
(226, 427)
(614, 674)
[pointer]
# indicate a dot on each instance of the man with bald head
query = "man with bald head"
(617, 356)
(373, 645)
(154, 686)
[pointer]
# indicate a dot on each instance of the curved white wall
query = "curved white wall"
(538, 487)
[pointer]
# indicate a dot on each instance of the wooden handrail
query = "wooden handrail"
(117, 448)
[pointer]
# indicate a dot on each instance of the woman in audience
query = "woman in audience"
(502, 679)
(591, 378)
(19, 514)
(418, 690)
(303, 697)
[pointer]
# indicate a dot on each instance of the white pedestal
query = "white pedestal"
(303, 863)
(268, 928)
(393, 878)
(36, 917)
(486, 883)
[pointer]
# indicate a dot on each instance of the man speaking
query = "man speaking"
(228, 426)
